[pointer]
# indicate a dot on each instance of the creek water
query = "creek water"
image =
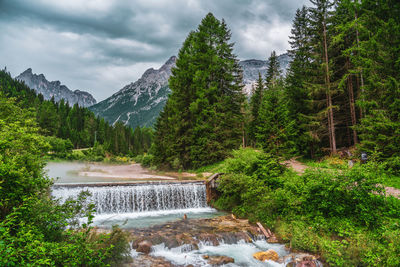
(241, 252)
(142, 204)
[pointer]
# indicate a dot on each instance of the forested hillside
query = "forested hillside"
(342, 87)
(341, 90)
(77, 126)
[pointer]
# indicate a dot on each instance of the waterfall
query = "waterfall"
(138, 198)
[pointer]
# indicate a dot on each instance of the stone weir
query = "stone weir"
(118, 198)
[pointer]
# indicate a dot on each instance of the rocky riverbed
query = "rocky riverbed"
(224, 240)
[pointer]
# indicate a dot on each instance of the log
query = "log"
(267, 232)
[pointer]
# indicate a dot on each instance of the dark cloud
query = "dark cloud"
(100, 45)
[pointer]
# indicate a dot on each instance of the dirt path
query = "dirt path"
(391, 191)
(299, 167)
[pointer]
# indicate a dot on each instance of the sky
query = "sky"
(99, 46)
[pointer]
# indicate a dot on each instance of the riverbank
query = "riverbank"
(95, 172)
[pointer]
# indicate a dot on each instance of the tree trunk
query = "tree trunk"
(352, 106)
(331, 123)
(360, 68)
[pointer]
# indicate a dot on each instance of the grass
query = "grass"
(326, 163)
(213, 168)
(340, 164)
(392, 181)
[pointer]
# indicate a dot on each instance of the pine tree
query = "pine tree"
(202, 120)
(255, 103)
(273, 72)
(378, 59)
(321, 84)
(296, 88)
(275, 129)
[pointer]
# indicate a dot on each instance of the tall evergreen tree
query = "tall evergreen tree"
(273, 71)
(320, 14)
(275, 127)
(255, 103)
(296, 88)
(202, 120)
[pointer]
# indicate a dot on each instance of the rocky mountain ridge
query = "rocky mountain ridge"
(55, 89)
(140, 102)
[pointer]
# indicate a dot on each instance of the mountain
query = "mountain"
(55, 89)
(251, 67)
(140, 102)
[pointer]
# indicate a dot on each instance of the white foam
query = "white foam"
(144, 198)
(241, 252)
(135, 215)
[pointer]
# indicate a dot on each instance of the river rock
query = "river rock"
(273, 239)
(209, 238)
(144, 247)
(302, 260)
(220, 260)
(270, 254)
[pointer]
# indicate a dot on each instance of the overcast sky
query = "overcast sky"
(101, 45)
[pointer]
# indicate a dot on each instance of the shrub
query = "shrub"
(341, 214)
(33, 226)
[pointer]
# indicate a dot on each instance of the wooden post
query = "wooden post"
(211, 186)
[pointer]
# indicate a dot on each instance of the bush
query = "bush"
(59, 148)
(147, 160)
(36, 230)
(341, 214)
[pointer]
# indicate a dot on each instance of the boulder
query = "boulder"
(302, 260)
(209, 238)
(266, 255)
(144, 247)
(220, 260)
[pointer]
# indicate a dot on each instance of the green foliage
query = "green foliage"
(275, 132)
(255, 104)
(146, 160)
(250, 162)
(342, 215)
(271, 126)
(202, 120)
(381, 137)
(342, 84)
(33, 226)
(59, 148)
(21, 149)
(34, 235)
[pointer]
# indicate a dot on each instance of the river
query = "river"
(172, 215)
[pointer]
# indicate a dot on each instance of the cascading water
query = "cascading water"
(139, 198)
